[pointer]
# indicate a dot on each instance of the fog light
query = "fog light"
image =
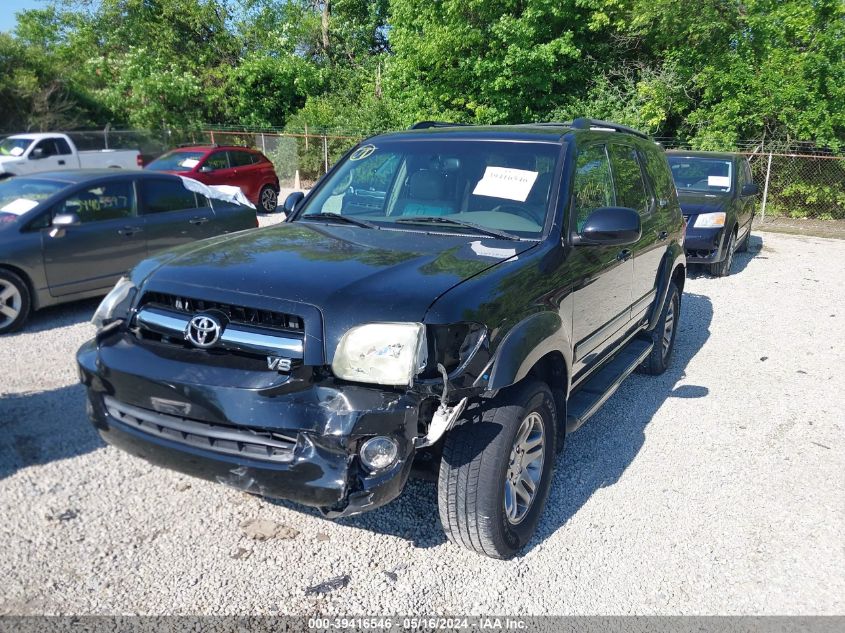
(379, 452)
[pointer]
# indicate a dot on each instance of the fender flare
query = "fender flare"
(673, 258)
(527, 342)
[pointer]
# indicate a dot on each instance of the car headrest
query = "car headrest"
(426, 185)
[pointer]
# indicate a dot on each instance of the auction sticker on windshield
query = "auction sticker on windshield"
(20, 206)
(506, 183)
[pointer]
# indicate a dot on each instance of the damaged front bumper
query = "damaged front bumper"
(292, 437)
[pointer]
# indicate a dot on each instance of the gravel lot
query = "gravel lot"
(718, 487)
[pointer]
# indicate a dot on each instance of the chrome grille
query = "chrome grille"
(243, 315)
(231, 440)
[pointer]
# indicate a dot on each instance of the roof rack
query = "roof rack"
(198, 145)
(583, 123)
(424, 125)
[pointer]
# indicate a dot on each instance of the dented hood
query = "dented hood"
(351, 275)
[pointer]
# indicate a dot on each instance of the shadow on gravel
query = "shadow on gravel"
(597, 454)
(412, 516)
(44, 426)
(62, 315)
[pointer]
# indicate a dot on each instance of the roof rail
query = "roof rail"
(424, 125)
(583, 123)
(198, 145)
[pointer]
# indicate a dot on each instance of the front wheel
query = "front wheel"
(268, 199)
(496, 471)
(723, 268)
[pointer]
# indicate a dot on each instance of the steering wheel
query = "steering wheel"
(520, 211)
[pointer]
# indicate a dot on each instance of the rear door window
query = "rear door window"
(100, 202)
(161, 196)
(240, 159)
(62, 147)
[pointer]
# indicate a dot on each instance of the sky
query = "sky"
(8, 8)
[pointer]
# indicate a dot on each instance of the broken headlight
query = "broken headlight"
(381, 353)
(116, 304)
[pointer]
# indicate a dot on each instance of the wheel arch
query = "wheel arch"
(538, 343)
(33, 295)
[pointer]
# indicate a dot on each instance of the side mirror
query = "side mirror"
(62, 222)
(292, 201)
(750, 189)
(37, 153)
(609, 226)
(206, 168)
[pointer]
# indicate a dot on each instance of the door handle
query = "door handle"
(61, 162)
(129, 231)
(198, 221)
(623, 255)
(662, 235)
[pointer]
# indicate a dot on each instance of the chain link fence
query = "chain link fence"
(796, 179)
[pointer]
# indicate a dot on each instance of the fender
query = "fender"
(526, 343)
(670, 261)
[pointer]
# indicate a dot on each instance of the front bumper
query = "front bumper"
(178, 405)
(704, 246)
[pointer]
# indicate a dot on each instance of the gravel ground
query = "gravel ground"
(718, 487)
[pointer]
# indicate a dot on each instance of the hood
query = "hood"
(693, 203)
(10, 160)
(350, 275)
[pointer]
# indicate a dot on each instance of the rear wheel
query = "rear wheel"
(268, 199)
(496, 471)
(723, 268)
(14, 301)
(663, 334)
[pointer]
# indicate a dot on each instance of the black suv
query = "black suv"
(452, 298)
(718, 199)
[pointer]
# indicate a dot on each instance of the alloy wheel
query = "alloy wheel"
(11, 303)
(525, 468)
(668, 328)
(269, 200)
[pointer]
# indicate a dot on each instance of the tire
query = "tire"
(723, 268)
(743, 247)
(667, 325)
(477, 463)
(15, 302)
(268, 199)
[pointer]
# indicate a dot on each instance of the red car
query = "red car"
(243, 167)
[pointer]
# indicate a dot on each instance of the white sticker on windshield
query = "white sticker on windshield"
(16, 151)
(190, 163)
(487, 251)
(20, 205)
(718, 181)
(506, 183)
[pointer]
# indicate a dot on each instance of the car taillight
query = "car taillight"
(139, 160)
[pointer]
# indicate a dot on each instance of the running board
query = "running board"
(604, 383)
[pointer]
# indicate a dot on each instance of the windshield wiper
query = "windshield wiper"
(433, 219)
(343, 218)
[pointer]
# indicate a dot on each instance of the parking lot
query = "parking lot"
(718, 487)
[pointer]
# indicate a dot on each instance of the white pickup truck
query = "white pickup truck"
(30, 153)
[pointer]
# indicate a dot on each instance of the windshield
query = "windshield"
(19, 195)
(443, 186)
(176, 161)
(695, 173)
(14, 146)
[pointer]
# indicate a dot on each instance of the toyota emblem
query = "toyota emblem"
(203, 331)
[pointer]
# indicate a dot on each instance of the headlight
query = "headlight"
(116, 304)
(381, 353)
(710, 220)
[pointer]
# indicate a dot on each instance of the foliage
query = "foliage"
(726, 71)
